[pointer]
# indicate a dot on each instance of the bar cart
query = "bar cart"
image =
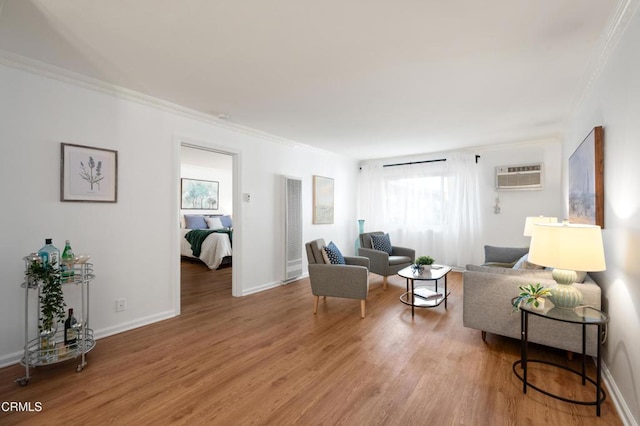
(49, 348)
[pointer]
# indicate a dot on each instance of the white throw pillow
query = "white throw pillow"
(213, 222)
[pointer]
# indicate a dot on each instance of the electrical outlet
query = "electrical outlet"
(121, 305)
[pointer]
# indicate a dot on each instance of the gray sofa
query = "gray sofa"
(487, 294)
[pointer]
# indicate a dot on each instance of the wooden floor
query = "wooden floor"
(265, 359)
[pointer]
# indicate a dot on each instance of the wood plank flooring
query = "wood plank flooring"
(265, 359)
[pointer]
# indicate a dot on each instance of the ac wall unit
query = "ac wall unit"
(522, 177)
(292, 228)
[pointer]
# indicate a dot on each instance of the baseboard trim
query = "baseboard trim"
(263, 287)
(14, 358)
(131, 325)
(616, 397)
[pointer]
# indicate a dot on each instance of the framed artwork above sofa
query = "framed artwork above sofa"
(586, 180)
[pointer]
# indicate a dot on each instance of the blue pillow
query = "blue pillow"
(381, 243)
(195, 221)
(226, 221)
(334, 255)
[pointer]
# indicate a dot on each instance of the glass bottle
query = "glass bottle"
(68, 259)
(49, 254)
(70, 337)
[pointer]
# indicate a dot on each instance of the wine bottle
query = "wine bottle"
(70, 336)
(68, 259)
(49, 254)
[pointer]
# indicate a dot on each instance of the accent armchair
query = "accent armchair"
(349, 281)
(383, 263)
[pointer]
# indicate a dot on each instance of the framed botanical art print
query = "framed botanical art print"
(88, 174)
(586, 180)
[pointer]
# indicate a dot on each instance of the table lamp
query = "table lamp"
(568, 248)
(532, 220)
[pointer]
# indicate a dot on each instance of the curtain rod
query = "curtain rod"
(421, 162)
(414, 162)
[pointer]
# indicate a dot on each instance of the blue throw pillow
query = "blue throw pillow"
(333, 254)
(195, 221)
(381, 243)
(226, 221)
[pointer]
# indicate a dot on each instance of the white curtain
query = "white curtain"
(432, 207)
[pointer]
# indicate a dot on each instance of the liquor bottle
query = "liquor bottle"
(49, 254)
(70, 337)
(68, 259)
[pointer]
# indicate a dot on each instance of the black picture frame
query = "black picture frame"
(197, 194)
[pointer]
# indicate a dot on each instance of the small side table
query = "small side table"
(583, 315)
(421, 297)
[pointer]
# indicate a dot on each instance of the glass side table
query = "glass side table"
(422, 297)
(583, 315)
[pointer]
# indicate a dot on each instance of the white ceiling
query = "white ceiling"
(366, 78)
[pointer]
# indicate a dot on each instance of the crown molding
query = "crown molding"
(43, 69)
(606, 44)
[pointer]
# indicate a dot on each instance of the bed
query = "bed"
(215, 248)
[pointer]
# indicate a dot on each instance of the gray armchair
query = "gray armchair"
(350, 281)
(383, 263)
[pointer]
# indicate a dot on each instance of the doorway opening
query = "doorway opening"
(208, 182)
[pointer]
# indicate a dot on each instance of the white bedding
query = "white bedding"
(214, 248)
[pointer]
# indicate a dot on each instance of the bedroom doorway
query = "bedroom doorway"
(207, 201)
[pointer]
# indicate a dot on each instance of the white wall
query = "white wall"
(613, 101)
(134, 243)
(505, 228)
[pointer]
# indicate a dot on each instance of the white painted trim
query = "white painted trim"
(132, 325)
(616, 397)
(263, 287)
(14, 358)
(175, 240)
(236, 155)
(61, 74)
(609, 39)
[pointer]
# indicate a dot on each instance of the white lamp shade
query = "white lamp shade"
(532, 220)
(567, 246)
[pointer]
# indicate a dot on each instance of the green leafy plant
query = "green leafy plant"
(52, 305)
(425, 260)
(530, 294)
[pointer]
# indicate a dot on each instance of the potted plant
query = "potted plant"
(421, 263)
(531, 294)
(52, 306)
(425, 261)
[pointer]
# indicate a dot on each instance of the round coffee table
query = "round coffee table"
(425, 296)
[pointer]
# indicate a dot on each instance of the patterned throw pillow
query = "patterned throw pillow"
(333, 254)
(382, 243)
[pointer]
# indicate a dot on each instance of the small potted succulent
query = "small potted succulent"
(422, 263)
(425, 261)
(533, 295)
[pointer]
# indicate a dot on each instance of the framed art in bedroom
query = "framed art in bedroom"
(199, 194)
(88, 174)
